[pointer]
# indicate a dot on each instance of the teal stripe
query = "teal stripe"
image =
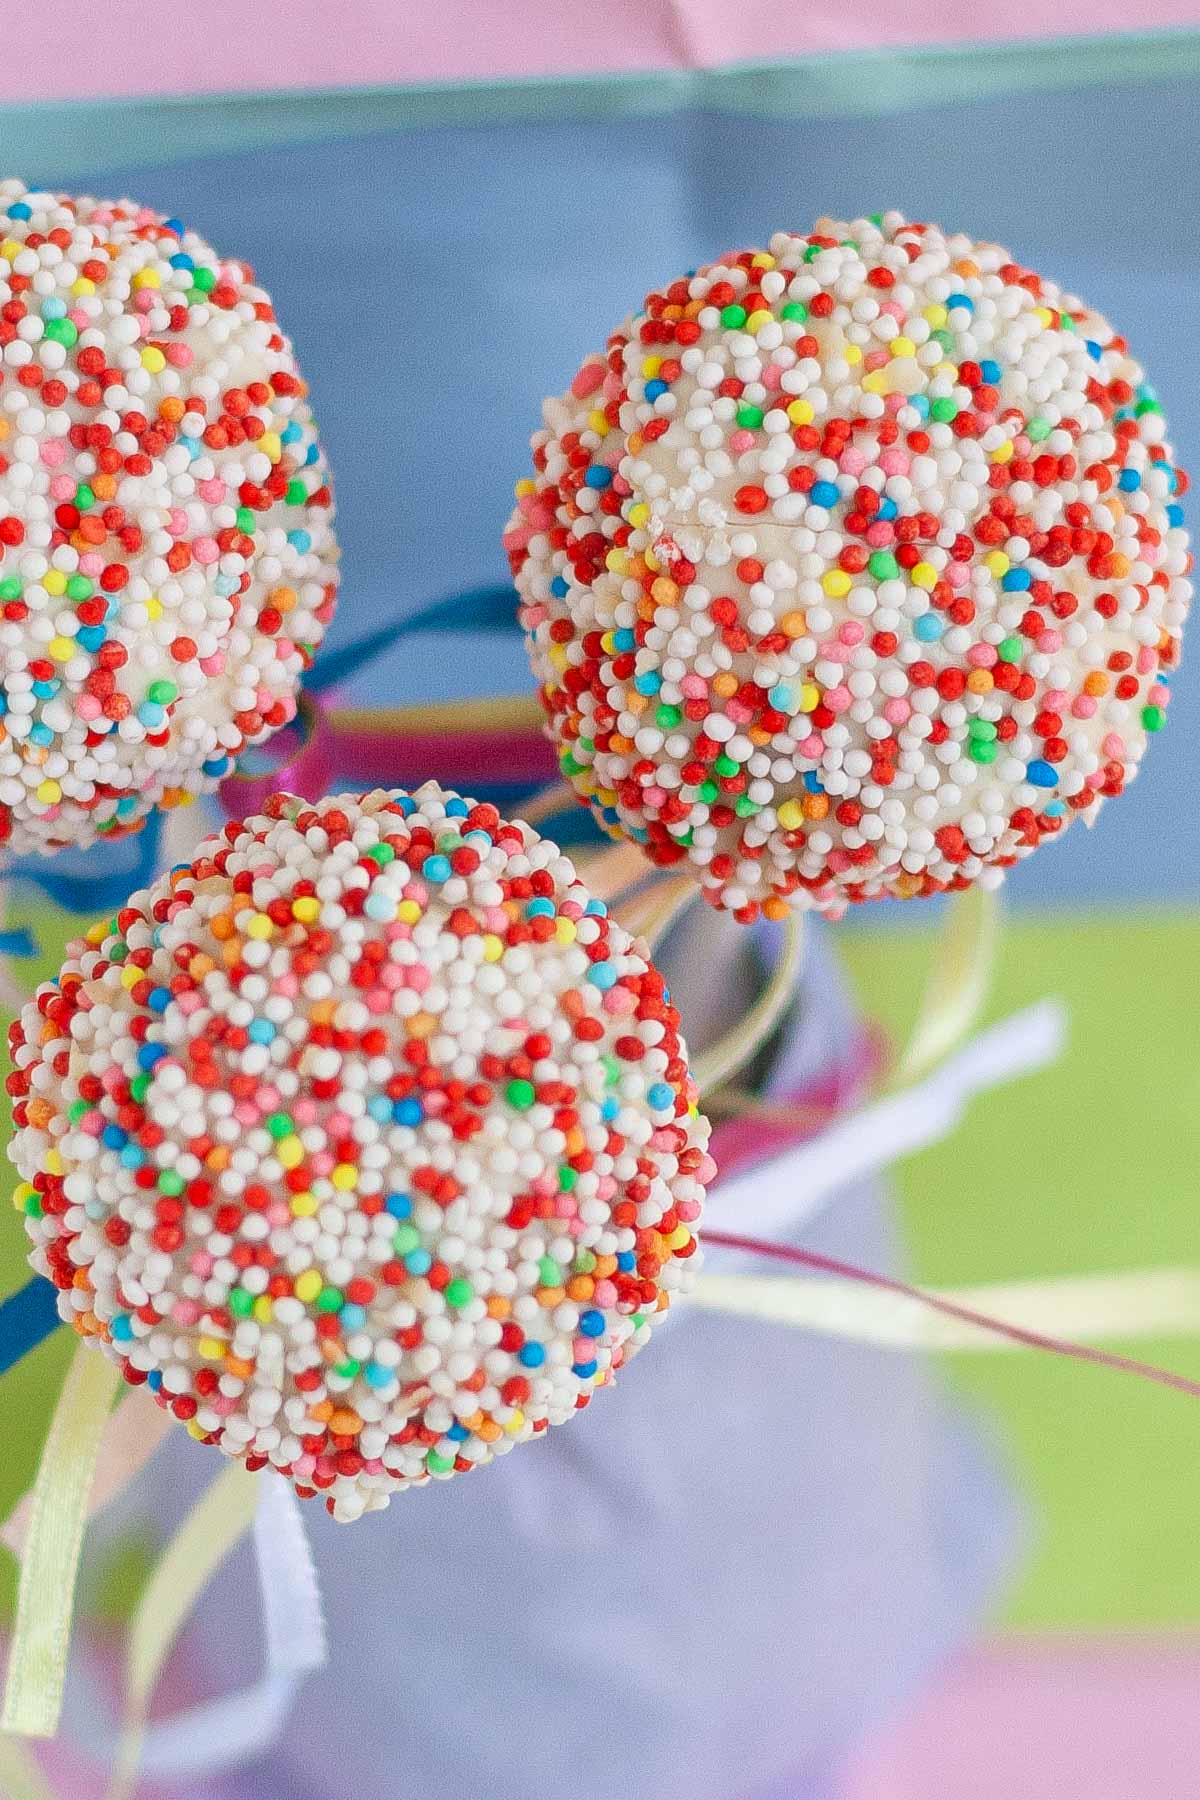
(67, 138)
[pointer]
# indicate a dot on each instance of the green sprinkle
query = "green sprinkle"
(1038, 429)
(733, 316)
(77, 1109)
(280, 1125)
(549, 1271)
(725, 765)
(348, 1369)
(982, 728)
(1009, 650)
(1153, 718)
(245, 519)
(240, 1302)
(568, 764)
(883, 565)
(980, 751)
(612, 1071)
(295, 493)
(749, 417)
(139, 1087)
(438, 1463)
(330, 1300)
(795, 312)
(585, 1262)
(708, 792)
(162, 692)
(204, 279)
(567, 1177)
(79, 588)
(520, 1094)
(667, 717)
(61, 331)
(10, 588)
(943, 411)
(382, 854)
(84, 497)
(459, 1292)
(405, 1238)
(745, 808)
(171, 1182)
(33, 1207)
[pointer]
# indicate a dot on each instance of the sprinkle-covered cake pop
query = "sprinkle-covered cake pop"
(367, 1140)
(854, 567)
(167, 559)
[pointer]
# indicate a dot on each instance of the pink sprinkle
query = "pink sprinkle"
(92, 563)
(206, 550)
(213, 491)
(876, 359)
(213, 665)
(1049, 642)
(338, 1125)
(201, 1263)
(839, 861)
(982, 656)
(88, 707)
(772, 376)
(897, 711)
(52, 452)
(813, 746)
(1147, 660)
(740, 441)
(894, 310)
(1055, 699)
(178, 355)
(694, 687)
(852, 461)
(851, 632)
(588, 379)
(837, 699)
(279, 1213)
(958, 574)
(880, 534)
(619, 1001)
(604, 1293)
(61, 487)
(1158, 694)
(895, 461)
(1083, 706)
(417, 977)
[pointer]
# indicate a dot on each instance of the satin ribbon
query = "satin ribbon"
(46, 1592)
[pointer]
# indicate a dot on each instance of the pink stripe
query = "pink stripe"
(739, 1142)
(471, 758)
(221, 47)
(1033, 1340)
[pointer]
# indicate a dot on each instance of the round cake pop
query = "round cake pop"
(854, 567)
(367, 1140)
(167, 559)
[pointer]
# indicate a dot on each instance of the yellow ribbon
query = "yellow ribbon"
(219, 1519)
(958, 984)
(20, 1776)
(46, 1593)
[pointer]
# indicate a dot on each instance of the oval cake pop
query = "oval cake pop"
(167, 558)
(366, 1139)
(854, 567)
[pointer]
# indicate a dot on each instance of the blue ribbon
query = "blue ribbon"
(26, 1318)
(478, 609)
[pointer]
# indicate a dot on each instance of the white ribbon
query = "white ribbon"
(776, 1196)
(241, 1726)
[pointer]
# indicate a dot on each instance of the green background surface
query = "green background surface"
(1089, 1166)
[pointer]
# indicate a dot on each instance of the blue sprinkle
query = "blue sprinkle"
(887, 509)
(131, 1157)
(600, 477)
(436, 868)
(45, 690)
(1174, 515)
(591, 1322)
(149, 1054)
(597, 909)
(262, 1032)
(648, 683)
(122, 1328)
(540, 909)
(1094, 350)
(376, 1375)
(654, 389)
(113, 1138)
(1055, 808)
(418, 1262)
(41, 735)
(626, 1262)
(380, 1109)
(175, 226)
(661, 1096)
(1129, 481)
(128, 803)
(160, 999)
(610, 1107)
(812, 782)
(991, 371)
(216, 767)
(919, 404)
(54, 308)
(181, 260)
(824, 493)
(3, 703)
(456, 808)
(299, 540)
(559, 588)
(783, 697)
(405, 802)
(602, 975)
(585, 1371)
(929, 627)
(154, 1380)
(90, 637)
(960, 300)
(399, 1205)
(624, 639)
(1041, 774)
(1016, 581)
(352, 1318)
(458, 1432)
(290, 433)
(151, 714)
(532, 1355)
(19, 210)
(408, 1112)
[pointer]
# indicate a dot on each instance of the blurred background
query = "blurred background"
(450, 209)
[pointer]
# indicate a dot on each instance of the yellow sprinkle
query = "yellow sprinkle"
(408, 912)
(49, 792)
(650, 367)
(344, 1176)
(924, 575)
(874, 383)
(558, 655)
(836, 582)
(1043, 315)
(1003, 452)
(54, 581)
(263, 1310)
(153, 607)
(493, 947)
(195, 1430)
(10, 249)
(212, 1349)
(760, 317)
(146, 278)
(259, 926)
(304, 1205)
(130, 977)
(598, 423)
(306, 1287)
(997, 562)
(153, 360)
(82, 287)
(791, 815)
(608, 643)
(54, 1163)
(903, 346)
(306, 909)
(290, 1152)
(515, 1423)
(565, 931)
(97, 933)
(617, 561)
(271, 444)
(523, 487)
(947, 368)
(638, 514)
(852, 354)
(62, 649)
(678, 1238)
(652, 562)
(936, 315)
(800, 412)
(762, 259)
(810, 697)
(23, 1194)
